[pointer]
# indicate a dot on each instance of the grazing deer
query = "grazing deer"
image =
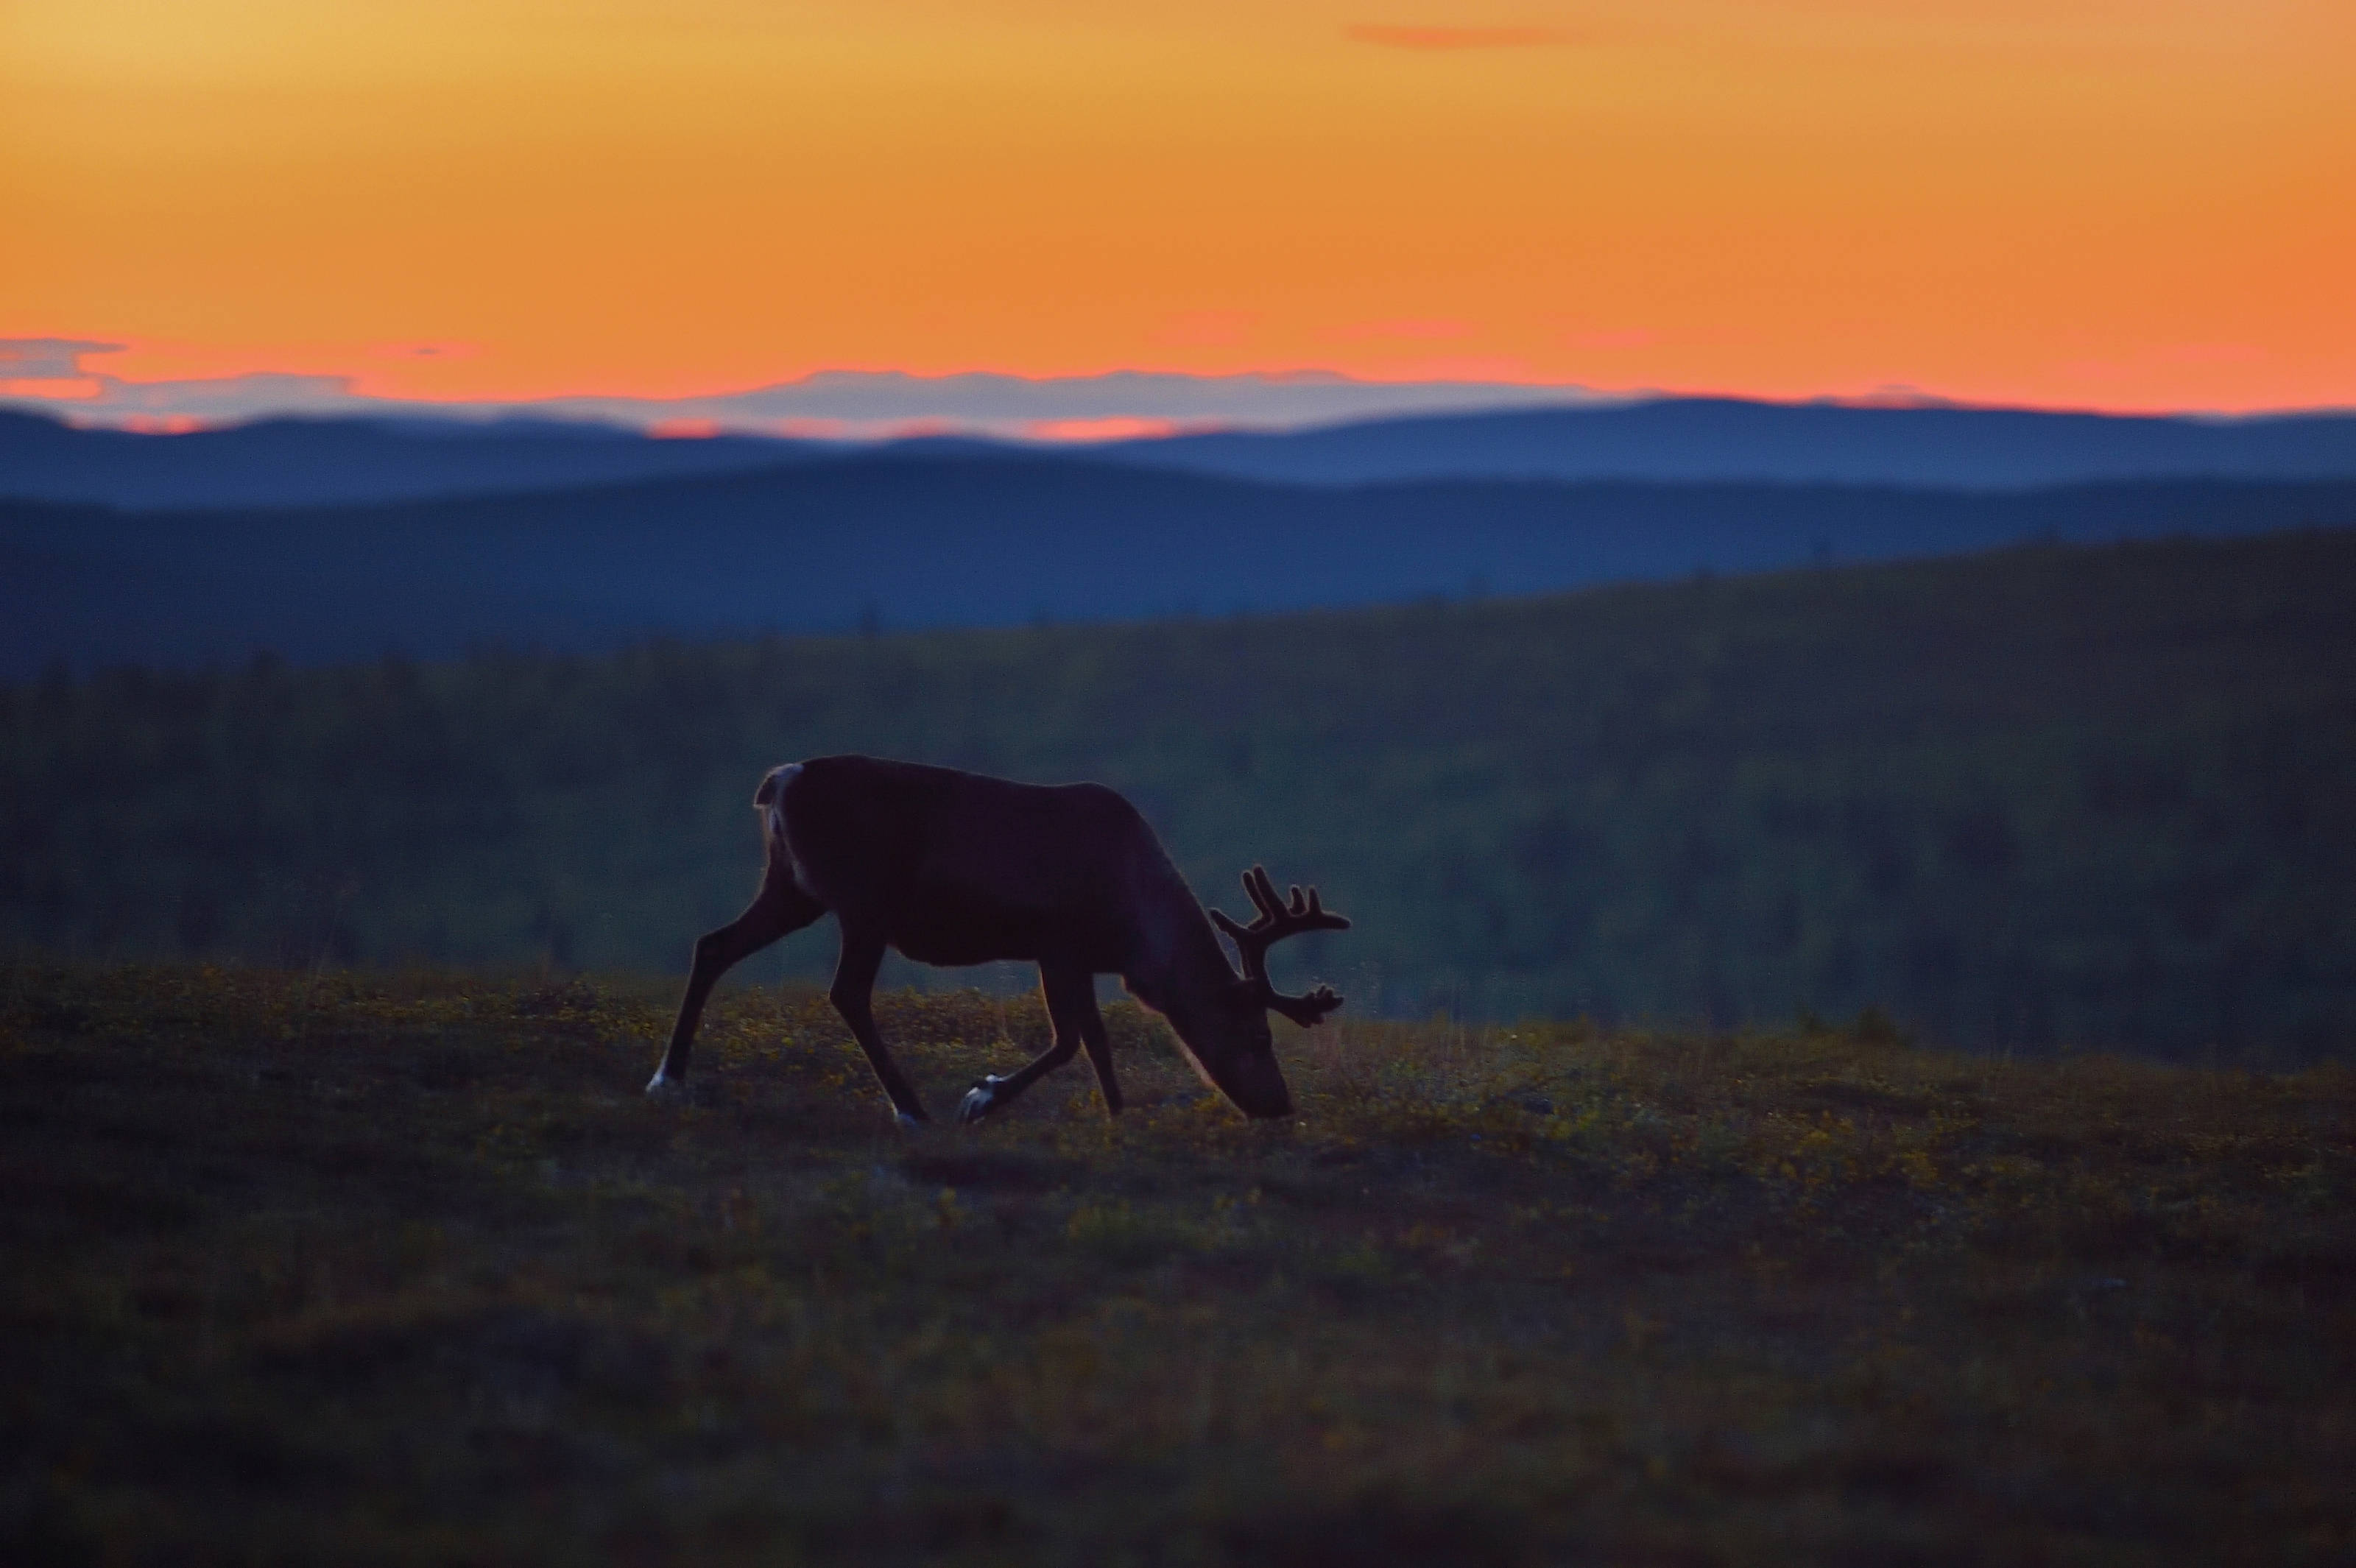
(953, 867)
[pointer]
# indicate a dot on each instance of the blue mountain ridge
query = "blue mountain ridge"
(323, 462)
(900, 540)
(1687, 440)
(330, 461)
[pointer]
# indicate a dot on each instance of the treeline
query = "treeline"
(2049, 797)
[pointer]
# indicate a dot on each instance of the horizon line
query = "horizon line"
(1289, 399)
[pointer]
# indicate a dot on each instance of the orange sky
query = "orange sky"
(2111, 203)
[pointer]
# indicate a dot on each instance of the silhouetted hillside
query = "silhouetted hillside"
(1686, 440)
(2049, 796)
(327, 462)
(900, 541)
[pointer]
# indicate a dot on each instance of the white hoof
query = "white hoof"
(908, 1124)
(664, 1088)
(979, 1100)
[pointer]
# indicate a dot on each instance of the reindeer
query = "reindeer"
(954, 868)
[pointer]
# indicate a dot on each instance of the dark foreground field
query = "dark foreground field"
(343, 1269)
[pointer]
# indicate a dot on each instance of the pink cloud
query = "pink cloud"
(910, 429)
(1430, 37)
(810, 428)
(49, 358)
(1114, 427)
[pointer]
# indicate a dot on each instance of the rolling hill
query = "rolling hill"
(897, 541)
(1720, 440)
(331, 461)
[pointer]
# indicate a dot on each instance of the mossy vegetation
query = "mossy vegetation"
(332, 1266)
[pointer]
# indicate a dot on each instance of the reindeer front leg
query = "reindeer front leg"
(1099, 1047)
(779, 910)
(1071, 997)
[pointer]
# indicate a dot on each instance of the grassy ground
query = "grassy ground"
(356, 1269)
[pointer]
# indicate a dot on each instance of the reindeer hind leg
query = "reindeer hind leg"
(852, 994)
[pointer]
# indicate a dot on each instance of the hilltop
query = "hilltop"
(959, 538)
(312, 462)
(1731, 440)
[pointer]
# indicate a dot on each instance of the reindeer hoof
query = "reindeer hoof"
(908, 1124)
(663, 1088)
(979, 1100)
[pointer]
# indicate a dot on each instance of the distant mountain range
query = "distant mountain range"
(904, 539)
(307, 462)
(1682, 441)
(330, 461)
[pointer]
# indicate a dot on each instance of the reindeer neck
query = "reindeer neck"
(1178, 953)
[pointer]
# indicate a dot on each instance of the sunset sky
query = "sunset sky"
(2124, 204)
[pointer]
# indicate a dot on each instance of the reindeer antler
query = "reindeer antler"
(1277, 921)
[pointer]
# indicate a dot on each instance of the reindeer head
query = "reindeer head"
(1232, 1046)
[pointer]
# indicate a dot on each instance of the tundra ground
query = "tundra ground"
(353, 1268)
